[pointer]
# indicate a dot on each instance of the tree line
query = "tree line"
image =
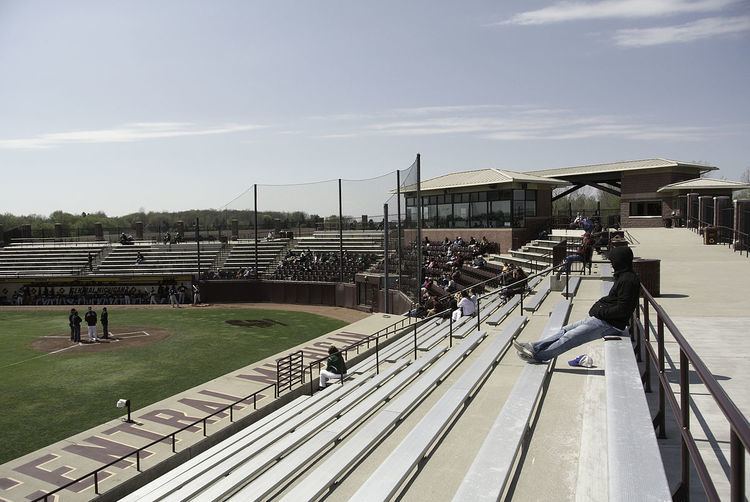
(209, 219)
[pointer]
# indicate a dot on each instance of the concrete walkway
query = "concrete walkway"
(704, 291)
(32, 475)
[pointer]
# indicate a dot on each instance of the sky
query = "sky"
(178, 104)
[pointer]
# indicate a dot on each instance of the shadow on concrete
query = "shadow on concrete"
(693, 378)
(673, 295)
(582, 371)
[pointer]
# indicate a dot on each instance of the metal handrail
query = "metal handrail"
(172, 435)
(744, 238)
(738, 423)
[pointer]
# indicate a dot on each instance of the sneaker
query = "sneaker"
(526, 358)
(524, 348)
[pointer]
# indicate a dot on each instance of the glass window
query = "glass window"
(519, 210)
(493, 195)
(478, 214)
(530, 208)
(530, 194)
(461, 215)
(500, 213)
(444, 215)
(411, 217)
(519, 194)
(411, 201)
(645, 208)
(429, 215)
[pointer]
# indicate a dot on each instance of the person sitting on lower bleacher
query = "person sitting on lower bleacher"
(335, 367)
(609, 316)
(466, 307)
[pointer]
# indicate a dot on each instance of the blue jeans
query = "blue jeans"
(570, 259)
(573, 335)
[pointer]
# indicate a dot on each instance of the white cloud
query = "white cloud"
(127, 133)
(697, 30)
(614, 9)
(516, 123)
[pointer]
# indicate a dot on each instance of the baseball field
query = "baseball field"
(51, 388)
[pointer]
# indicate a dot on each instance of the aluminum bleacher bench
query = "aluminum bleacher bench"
(573, 285)
(384, 483)
(489, 473)
(240, 446)
(324, 428)
(605, 271)
(636, 470)
(533, 304)
(377, 428)
(500, 314)
(150, 491)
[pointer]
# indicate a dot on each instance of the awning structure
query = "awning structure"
(700, 184)
(608, 177)
(483, 177)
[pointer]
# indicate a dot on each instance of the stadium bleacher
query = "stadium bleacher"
(48, 259)
(158, 259)
(357, 441)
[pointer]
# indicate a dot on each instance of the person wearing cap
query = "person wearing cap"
(609, 316)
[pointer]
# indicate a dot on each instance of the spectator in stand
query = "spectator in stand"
(335, 367)
(90, 319)
(104, 319)
(479, 261)
(452, 286)
(465, 307)
(139, 258)
(609, 316)
(167, 238)
(582, 254)
(91, 261)
(472, 242)
(586, 224)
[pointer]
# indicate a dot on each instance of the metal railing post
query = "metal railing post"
(479, 318)
(684, 422)
(415, 342)
(737, 463)
(647, 342)
(377, 355)
(660, 418)
(450, 332)
(567, 281)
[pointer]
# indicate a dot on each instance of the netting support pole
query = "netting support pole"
(385, 261)
(341, 237)
(419, 229)
(255, 224)
(398, 224)
(198, 244)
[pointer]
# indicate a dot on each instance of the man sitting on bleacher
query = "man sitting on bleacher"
(608, 316)
(335, 367)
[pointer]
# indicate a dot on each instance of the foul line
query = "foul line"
(142, 334)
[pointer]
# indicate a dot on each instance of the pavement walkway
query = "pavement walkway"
(704, 291)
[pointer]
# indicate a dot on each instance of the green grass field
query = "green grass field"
(46, 399)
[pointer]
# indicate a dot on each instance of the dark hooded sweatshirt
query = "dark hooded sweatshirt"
(617, 307)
